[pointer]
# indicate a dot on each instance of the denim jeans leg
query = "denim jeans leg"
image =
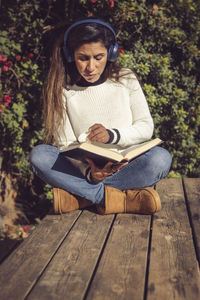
(58, 171)
(144, 171)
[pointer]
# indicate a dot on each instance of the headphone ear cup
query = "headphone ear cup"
(112, 52)
(68, 56)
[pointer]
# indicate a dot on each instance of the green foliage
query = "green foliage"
(160, 43)
(20, 83)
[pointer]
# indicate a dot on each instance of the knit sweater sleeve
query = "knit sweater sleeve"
(142, 125)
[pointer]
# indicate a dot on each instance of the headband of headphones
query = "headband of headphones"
(112, 51)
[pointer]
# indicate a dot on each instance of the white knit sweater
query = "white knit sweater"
(120, 106)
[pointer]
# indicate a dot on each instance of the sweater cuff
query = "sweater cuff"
(114, 136)
(111, 136)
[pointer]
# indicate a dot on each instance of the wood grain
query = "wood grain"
(121, 271)
(21, 269)
(192, 189)
(173, 270)
(70, 271)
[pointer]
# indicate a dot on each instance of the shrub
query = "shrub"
(20, 85)
(160, 42)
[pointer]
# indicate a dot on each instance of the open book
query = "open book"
(100, 154)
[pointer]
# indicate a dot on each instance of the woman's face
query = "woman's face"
(90, 60)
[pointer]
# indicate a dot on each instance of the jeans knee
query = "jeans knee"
(38, 155)
(166, 158)
(162, 158)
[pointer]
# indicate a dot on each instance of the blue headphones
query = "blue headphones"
(112, 51)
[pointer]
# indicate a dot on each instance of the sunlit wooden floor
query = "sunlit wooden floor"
(83, 255)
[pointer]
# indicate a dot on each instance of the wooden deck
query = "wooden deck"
(82, 255)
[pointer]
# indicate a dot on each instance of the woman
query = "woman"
(87, 96)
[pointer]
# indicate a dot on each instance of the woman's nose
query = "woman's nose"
(91, 65)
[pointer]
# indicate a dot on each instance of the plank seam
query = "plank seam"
(148, 260)
(99, 259)
(191, 223)
(46, 266)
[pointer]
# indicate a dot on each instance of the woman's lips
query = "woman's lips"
(90, 75)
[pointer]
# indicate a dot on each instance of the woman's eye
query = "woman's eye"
(98, 57)
(83, 58)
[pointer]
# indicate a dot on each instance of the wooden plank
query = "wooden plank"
(70, 271)
(192, 189)
(7, 246)
(173, 269)
(121, 271)
(21, 269)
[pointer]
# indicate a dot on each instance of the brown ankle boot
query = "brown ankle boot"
(65, 201)
(142, 201)
(139, 201)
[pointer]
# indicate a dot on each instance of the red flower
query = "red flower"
(7, 100)
(18, 57)
(111, 3)
(121, 50)
(2, 59)
(7, 66)
(30, 55)
(26, 227)
(93, 1)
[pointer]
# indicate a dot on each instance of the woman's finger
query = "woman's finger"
(90, 162)
(101, 137)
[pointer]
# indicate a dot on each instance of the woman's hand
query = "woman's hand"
(99, 174)
(98, 133)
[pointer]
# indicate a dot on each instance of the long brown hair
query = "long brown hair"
(62, 73)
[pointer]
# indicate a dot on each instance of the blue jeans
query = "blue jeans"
(58, 171)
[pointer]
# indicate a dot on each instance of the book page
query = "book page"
(126, 151)
(136, 150)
